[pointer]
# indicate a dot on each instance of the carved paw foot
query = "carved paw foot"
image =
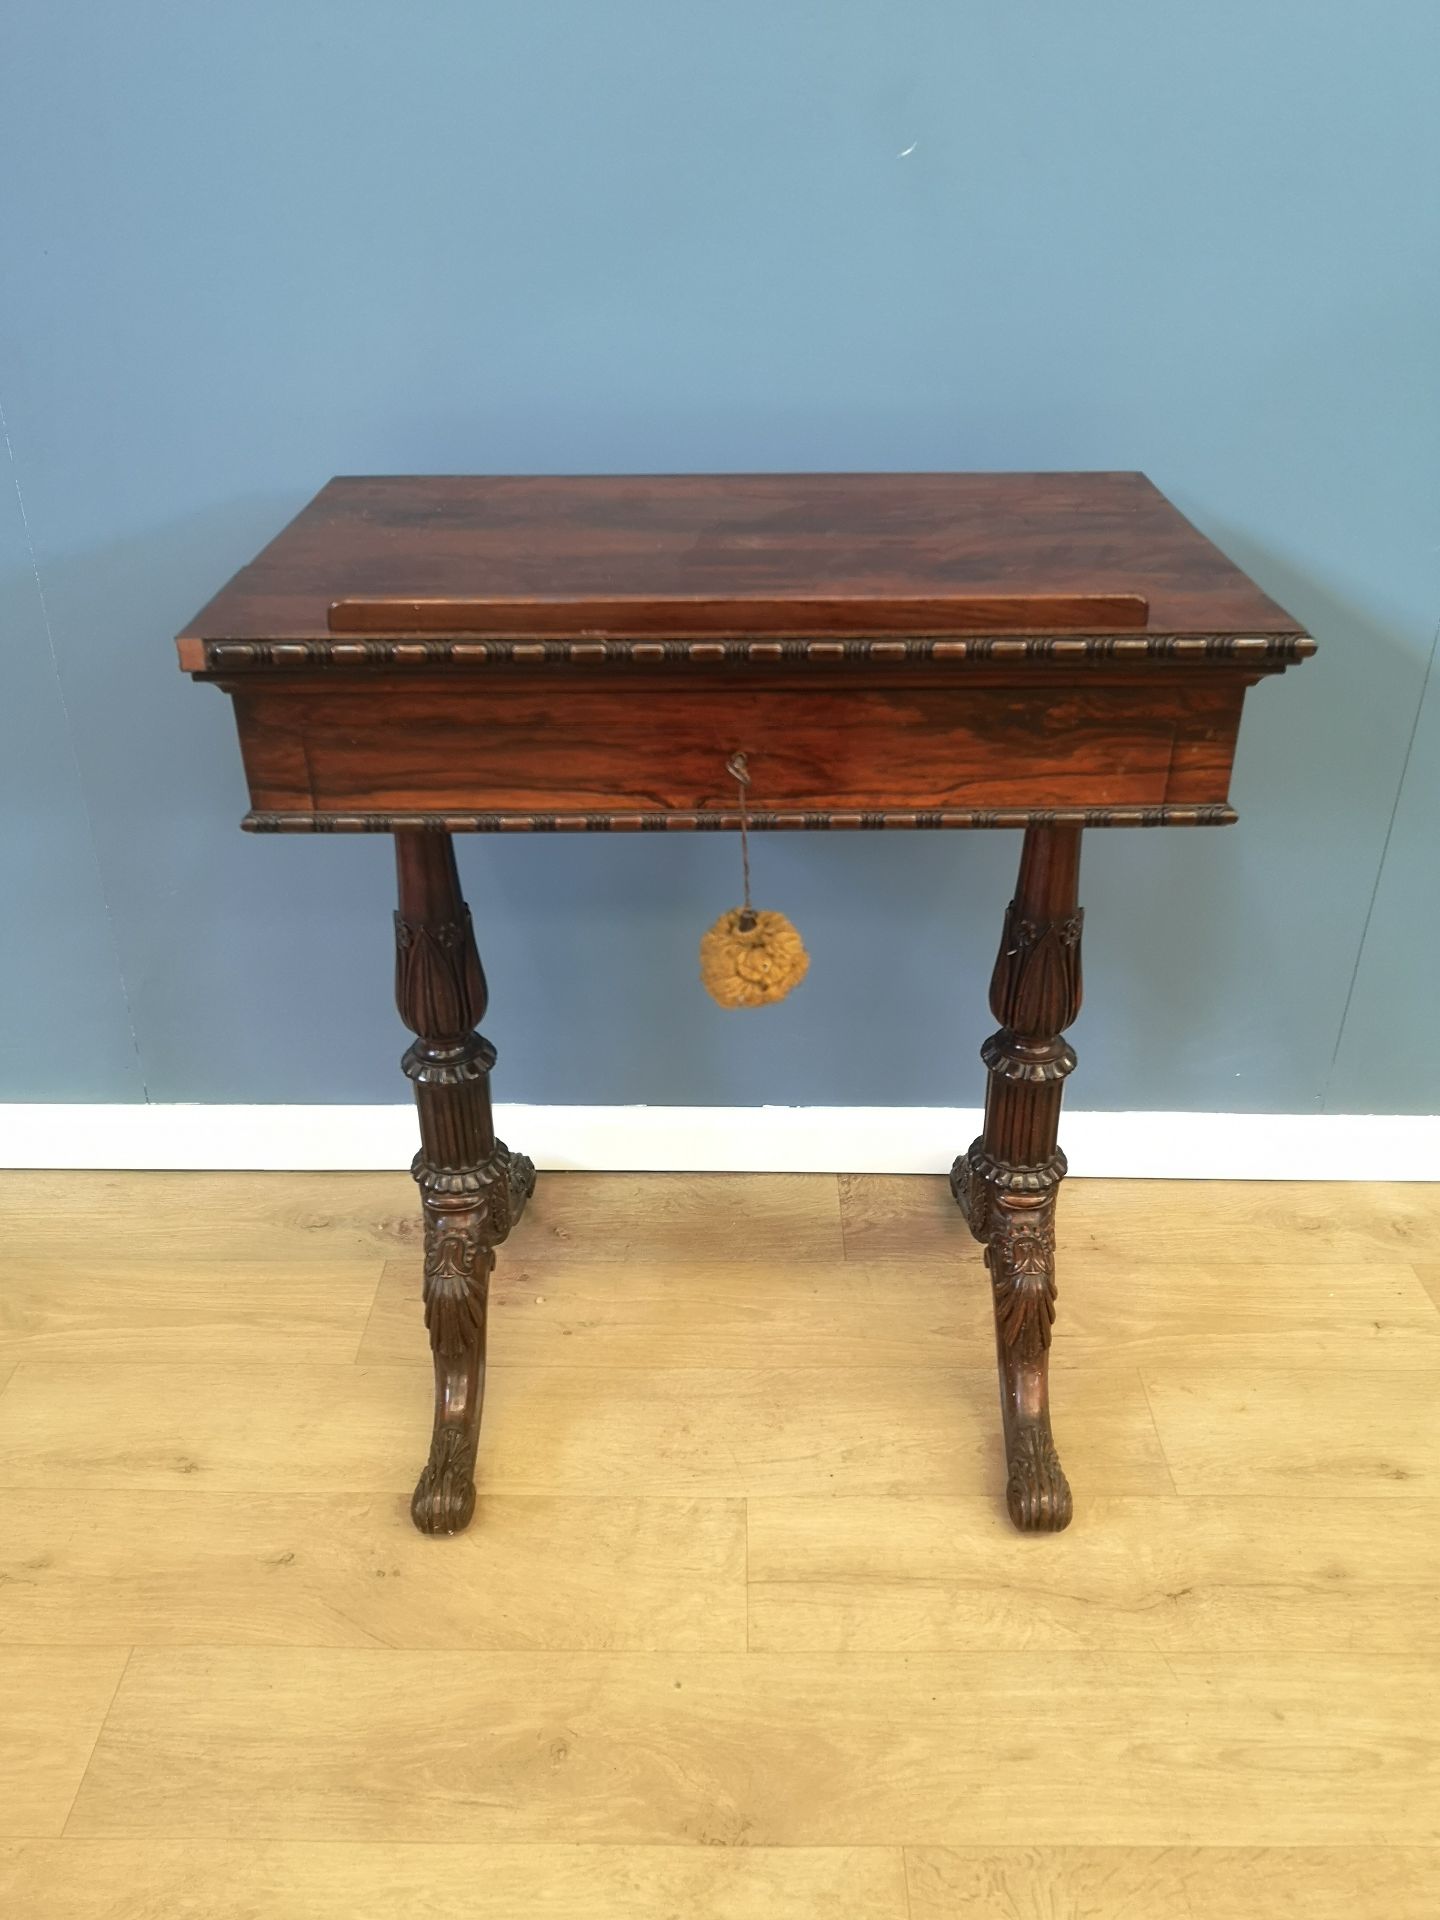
(1037, 1492)
(972, 1194)
(444, 1498)
(522, 1182)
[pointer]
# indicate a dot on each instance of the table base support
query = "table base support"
(1007, 1183)
(472, 1187)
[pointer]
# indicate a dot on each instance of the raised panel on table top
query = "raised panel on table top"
(530, 745)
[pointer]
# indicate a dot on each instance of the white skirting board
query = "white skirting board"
(1154, 1146)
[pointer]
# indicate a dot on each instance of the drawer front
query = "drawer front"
(655, 748)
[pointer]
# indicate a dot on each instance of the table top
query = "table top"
(583, 557)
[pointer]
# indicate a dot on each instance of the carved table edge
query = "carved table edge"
(1266, 652)
(259, 820)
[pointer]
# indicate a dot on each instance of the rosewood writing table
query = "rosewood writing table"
(1047, 652)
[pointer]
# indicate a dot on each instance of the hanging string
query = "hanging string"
(739, 767)
(750, 958)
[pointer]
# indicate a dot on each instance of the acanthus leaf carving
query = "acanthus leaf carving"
(1036, 987)
(1021, 1256)
(1037, 1493)
(458, 1259)
(439, 983)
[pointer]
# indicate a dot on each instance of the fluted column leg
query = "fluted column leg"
(472, 1188)
(1007, 1183)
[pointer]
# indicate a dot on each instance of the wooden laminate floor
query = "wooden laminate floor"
(740, 1629)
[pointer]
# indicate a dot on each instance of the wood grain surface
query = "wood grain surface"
(696, 614)
(938, 650)
(649, 746)
(764, 1749)
(737, 537)
(765, 1643)
(157, 1878)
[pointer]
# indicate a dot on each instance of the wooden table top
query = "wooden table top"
(591, 557)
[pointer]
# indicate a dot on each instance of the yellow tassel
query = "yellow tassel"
(749, 958)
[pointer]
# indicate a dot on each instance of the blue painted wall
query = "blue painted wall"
(245, 248)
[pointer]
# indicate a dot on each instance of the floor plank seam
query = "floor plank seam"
(905, 1881)
(1155, 1429)
(839, 1180)
(104, 1721)
(364, 1335)
(747, 1575)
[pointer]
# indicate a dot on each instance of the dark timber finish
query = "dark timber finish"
(697, 614)
(1006, 1184)
(862, 539)
(443, 655)
(472, 1188)
(580, 741)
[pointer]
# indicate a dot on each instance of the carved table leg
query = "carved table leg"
(472, 1188)
(1006, 1184)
